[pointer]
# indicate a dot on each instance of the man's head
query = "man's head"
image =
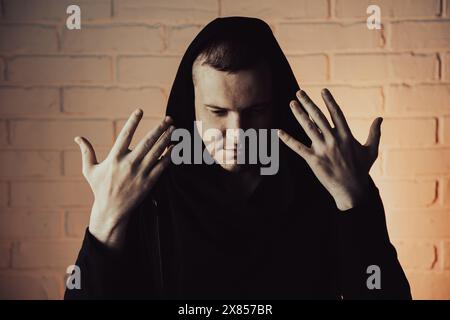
(233, 90)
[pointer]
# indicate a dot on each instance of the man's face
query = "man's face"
(240, 100)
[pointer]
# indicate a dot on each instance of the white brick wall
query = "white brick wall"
(56, 83)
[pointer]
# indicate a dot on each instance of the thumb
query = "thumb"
(88, 157)
(373, 140)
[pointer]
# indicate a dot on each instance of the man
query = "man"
(312, 230)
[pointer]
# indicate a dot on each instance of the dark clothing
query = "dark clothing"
(195, 237)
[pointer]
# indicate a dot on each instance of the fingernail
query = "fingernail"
(77, 140)
(168, 119)
(138, 112)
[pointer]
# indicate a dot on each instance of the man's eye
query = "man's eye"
(219, 112)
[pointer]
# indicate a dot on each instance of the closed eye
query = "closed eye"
(218, 112)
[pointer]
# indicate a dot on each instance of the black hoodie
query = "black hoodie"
(191, 239)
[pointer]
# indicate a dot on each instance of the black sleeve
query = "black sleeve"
(102, 271)
(124, 274)
(365, 249)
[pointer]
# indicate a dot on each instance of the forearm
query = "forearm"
(101, 271)
(364, 246)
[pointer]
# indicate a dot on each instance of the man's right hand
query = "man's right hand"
(122, 180)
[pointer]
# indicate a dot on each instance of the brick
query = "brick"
(2, 69)
(316, 37)
(115, 38)
(416, 223)
(354, 101)
(446, 191)
(445, 124)
(73, 164)
(414, 66)
(158, 71)
(57, 69)
(113, 101)
(3, 133)
(274, 10)
(5, 255)
(418, 99)
(4, 193)
(26, 286)
(27, 10)
(446, 67)
(398, 132)
(419, 161)
(76, 223)
(309, 68)
(379, 67)
(416, 255)
(172, 11)
(409, 132)
(389, 8)
(144, 127)
(60, 134)
(51, 193)
(429, 285)
(29, 101)
(179, 37)
(361, 67)
(29, 163)
(45, 254)
(408, 193)
(20, 225)
(446, 254)
(28, 38)
(420, 35)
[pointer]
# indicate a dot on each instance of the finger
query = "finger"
(306, 123)
(157, 150)
(144, 146)
(373, 140)
(315, 113)
(126, 134)
(336, 114)
(88, 156)
(296, 146)
(158, 169)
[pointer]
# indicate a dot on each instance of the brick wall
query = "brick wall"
(57, 83)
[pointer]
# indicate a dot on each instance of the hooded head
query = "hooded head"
(233, 75)
(234, 64)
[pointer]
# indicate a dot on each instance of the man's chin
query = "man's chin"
(233, 167)
(237, 168)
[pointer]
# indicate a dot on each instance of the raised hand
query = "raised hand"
(337, 159)
(121, 181)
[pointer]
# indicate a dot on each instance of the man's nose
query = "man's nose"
(234, 123)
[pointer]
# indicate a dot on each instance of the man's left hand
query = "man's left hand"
(337, 159)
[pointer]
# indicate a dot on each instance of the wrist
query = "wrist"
(110, 233)
(352, 196)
